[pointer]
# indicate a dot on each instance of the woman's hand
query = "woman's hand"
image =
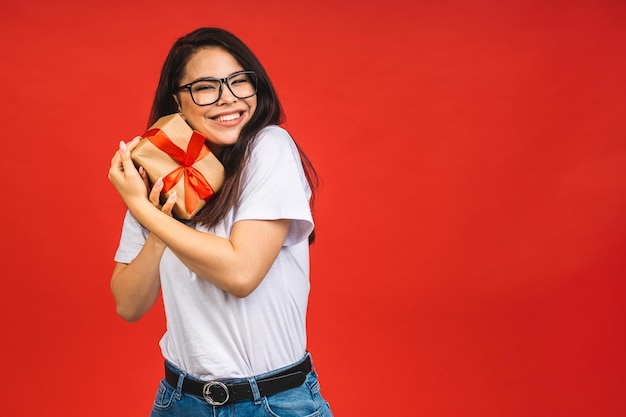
(155, 194)
(155, 198)
(125, 177)
(133, 184)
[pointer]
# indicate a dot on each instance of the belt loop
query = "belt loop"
(179, 385)
(255, 391)
(308, 355)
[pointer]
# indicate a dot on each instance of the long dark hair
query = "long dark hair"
(268, 112)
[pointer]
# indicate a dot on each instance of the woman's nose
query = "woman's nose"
(226, 96)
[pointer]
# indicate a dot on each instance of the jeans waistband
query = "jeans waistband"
(225, 392)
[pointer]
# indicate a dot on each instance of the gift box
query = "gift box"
(172, 150)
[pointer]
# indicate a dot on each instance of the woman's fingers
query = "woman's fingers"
(155, 197)
(145, 177)
(155, 193)
(128, 166)
(129, 146)
(169, 204)
(133, 143)
(115, 158)
(125, 176)
(116, 166)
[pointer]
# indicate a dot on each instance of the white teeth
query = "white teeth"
(228, 117)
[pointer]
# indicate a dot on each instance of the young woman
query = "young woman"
(235, 280)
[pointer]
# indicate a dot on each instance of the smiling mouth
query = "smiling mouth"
(227, 117)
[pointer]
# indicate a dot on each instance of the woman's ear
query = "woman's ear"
(180, 110)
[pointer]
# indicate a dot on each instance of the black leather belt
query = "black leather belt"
(220, 393)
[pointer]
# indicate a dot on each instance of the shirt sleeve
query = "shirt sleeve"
(133, 237)
(274, 185)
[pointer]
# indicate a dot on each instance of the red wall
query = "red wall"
(471, 233)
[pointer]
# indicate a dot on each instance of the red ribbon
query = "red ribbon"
(196, 186)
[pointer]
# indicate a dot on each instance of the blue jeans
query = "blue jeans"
(303, 401)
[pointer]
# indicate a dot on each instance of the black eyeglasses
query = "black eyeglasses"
(207, 91)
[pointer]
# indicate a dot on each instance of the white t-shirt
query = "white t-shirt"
(212, 334)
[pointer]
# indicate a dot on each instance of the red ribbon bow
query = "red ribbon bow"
(196, 186)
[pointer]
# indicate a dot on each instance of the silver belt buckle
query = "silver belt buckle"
(206, 393)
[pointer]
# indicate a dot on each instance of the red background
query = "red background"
(471, 233)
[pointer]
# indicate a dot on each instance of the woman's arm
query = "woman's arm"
(237, 265)
(136, 286)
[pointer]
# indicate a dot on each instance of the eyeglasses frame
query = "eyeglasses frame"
(222, 82)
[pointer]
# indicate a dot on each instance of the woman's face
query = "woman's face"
(222, 121)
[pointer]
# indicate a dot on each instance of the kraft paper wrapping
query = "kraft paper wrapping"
(170, 149)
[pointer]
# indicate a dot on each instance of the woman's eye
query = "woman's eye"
(204, 87)
(239, 80)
